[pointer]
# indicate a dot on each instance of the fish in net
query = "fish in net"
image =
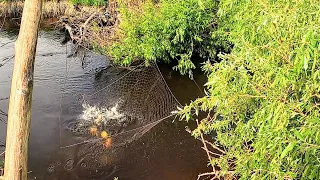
(128, 105)
(125, 104)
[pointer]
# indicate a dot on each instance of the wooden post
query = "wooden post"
(18, 128)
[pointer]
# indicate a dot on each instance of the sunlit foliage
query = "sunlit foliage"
(264, 97)
(166, 30)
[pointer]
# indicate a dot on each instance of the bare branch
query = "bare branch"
(215, 147)
(212, 153)
(205, 148)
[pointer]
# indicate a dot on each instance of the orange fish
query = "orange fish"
(104, 134)
(108, 143)
(93, 130)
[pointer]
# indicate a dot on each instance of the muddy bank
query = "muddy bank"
(11, 12)
(78, 21)
(49, 9)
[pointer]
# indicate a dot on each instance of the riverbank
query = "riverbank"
(52, 12)
(50, 9)
(80, 21)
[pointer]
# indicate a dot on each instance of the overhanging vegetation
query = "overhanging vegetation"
(263, 98)
(265, 95)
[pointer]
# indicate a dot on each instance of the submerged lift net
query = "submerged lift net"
(130, 103)
(124, 105)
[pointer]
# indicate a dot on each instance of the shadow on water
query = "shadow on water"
(166, 152)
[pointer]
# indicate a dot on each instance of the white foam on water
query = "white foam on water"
(105, 115)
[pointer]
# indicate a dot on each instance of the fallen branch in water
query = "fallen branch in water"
(83, 26)
(69, 29)
(98, 28)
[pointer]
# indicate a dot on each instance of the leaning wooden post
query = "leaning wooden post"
(19, 114)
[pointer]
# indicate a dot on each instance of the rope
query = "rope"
(168, 86)
(2, 153)
(198, 87)
(62, 93)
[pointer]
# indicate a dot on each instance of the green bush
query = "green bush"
(265, 95)
(166, 30)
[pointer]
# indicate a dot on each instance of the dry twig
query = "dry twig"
(206, 149)
(214, 172)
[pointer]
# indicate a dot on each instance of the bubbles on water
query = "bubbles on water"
(83, 165)
(51, 168)
(69, 165)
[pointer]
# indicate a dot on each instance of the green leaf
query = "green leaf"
(305, 63)
(287, 149)
(298, 134)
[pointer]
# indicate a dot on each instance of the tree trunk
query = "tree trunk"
(19, 114)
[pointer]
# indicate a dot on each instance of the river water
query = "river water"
(166, 152)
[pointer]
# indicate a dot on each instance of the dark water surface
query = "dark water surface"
(166, 152)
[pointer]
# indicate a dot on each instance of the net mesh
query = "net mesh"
(125, 104)
(130, 103)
